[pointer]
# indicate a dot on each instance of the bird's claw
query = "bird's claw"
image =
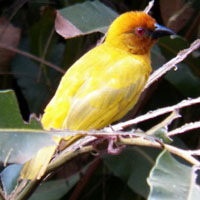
(112, 149)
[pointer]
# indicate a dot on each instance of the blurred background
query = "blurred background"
(33, 58)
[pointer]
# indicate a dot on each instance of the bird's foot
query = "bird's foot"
(112, 147)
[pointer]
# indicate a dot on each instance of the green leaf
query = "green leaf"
(170, 179)
(186, 76)
(10, 116)
(36, 80)
(42, 35)
(19, 145)
(132, 166)
(36, 86)
(162, 134)
(84, 18)
(9, 177)
(54, 190)
(157, 58)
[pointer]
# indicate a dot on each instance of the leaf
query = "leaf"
(19, 146)
(169, 179)
(157, 57)
(132, 166)
(162, 134)
(9, 177)
(36, 80)
(37, 87)
(84, 18)
(186, 75)
(10, 116)
(42, 34)
(54, 190)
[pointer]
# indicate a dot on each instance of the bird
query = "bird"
(103, 85)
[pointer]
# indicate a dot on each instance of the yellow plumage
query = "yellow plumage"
(103, 85)
(96, 92)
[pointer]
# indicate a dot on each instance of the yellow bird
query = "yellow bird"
(103, 85)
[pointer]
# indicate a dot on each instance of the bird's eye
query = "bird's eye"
(140, 31)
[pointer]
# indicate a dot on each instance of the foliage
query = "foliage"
(34, 56)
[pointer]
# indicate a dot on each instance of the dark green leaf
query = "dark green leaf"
(84, 18)
(36, 86)
(186, 76)
(42, 34)
(54, 190)
(132, 165)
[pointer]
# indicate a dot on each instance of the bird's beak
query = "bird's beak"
(161, 31)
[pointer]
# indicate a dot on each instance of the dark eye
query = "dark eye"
(140, 31)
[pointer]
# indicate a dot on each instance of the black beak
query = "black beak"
(161, 31)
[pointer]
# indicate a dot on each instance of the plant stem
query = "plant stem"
(32, 57)
(59, 161)
(144, 142)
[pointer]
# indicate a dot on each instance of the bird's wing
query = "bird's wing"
(106, 96)
(98, 109)
(96, 90)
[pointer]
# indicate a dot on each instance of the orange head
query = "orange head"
(135, 32)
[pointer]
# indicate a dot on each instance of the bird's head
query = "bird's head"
(135, 32)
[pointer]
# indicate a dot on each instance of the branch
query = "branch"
(32, 57)
(185, 154)
(149, 7)
(2, 197)
(59, 161)
(184, 128)
(156, 113)
(172, 63)
(174, 115)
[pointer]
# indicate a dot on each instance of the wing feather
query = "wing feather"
(96, 92)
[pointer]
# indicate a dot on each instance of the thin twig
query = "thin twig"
(44, 55)
(156, 113)
(2, 197)
(149, 7)
(27, 191)
(179, 152)
(194, 152)
(32, 57)
(174, 115)
(32, 185)
(61, 159)
(184, 128)
(173, 62)
(18, 190)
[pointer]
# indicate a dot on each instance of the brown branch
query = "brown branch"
(83, 182)
(32, 57)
